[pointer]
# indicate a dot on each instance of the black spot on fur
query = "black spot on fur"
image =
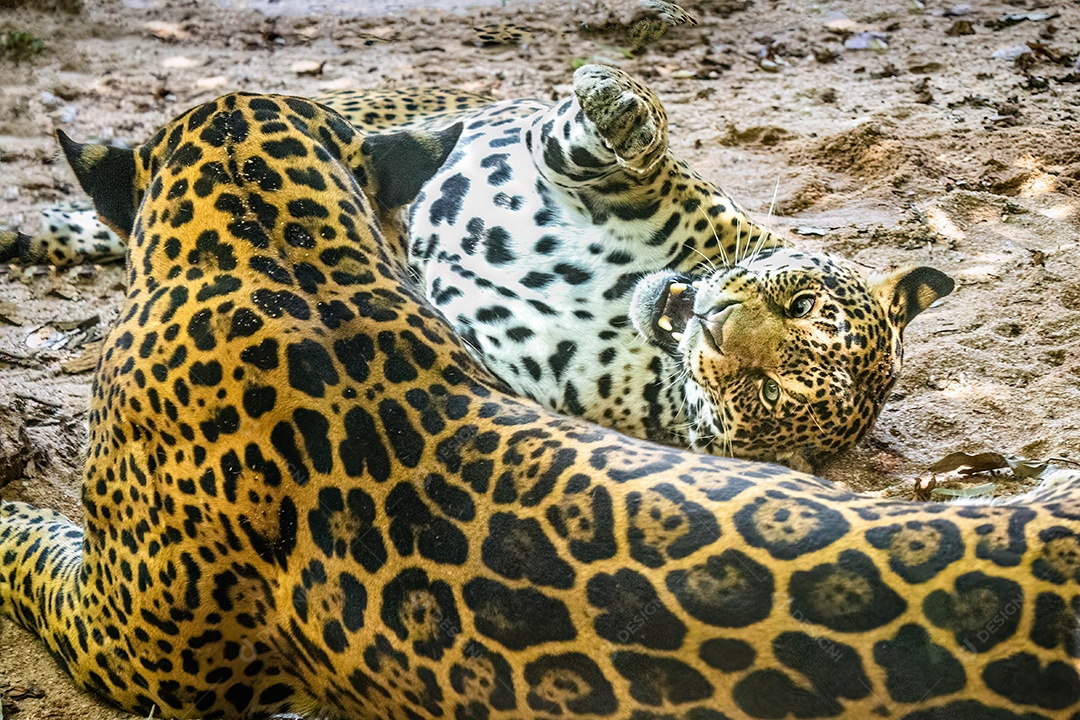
(363, 449)
(414, 527)
(664, 524)
(728, 655)
(634, 613)
(584, 517)
(789, 526)
(727, 590)
(259, 400)
(421, 611)
(506, 615)
(310, 368)
(661, 680)
(342, 526)
(581, 688)
(407, 443)
(474, 673)
(982, 611)
(908, 544)
(916, 668)
(1057, 623)
(833, 669)
(264, 356)
(452, 194)
(847, 596)
(518, 548)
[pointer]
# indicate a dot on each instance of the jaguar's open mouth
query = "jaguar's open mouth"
(673, 309)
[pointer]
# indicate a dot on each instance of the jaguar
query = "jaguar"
(594, 271)
(303, 494)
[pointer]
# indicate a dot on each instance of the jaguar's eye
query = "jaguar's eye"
(801, 305)
(770, 392)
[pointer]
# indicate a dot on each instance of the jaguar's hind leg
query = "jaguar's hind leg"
(612, 125)
(622, 114)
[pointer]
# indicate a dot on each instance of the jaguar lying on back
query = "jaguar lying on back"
(302, 494)
(562, 243)
(555, 239)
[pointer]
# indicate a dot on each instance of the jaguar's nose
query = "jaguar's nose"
(713, 321)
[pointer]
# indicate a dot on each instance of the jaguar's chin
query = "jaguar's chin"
(661, 308)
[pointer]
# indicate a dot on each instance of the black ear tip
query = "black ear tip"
(64, 139)
(450, 135)
(71, 149)
(401, 162)
(937, 281)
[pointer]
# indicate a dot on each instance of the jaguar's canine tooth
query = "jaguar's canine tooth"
(665, 323)
(676, 288)
(677, 336)
(696, 284)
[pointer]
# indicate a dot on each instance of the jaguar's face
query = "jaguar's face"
(787, 357)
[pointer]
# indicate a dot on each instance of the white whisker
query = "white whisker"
(719, 241)
(772, 203)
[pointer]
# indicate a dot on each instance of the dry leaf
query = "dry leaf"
(21, 693)
(86, 360)
(973, 491)
(970, 464)
(9, 314)
(960, 27)
(21, 360)
(966, 464)
(84, 324)
(62, 292)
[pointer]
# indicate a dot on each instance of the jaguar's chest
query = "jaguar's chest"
(538, 279)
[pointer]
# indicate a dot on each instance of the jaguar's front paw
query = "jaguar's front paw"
(627, 115)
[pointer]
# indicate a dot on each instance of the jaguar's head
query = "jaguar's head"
(788, 356)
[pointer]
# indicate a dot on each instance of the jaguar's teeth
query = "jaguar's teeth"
(676, 336)
(665, 323)
(677, 288)
(696, 284)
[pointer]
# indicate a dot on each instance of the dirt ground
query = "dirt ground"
(890, 133)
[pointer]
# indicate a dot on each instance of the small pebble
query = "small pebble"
(1010, 53)
(209, 83)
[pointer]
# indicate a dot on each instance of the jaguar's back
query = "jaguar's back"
(303, 495)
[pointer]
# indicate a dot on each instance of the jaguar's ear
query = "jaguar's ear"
(107, 174)
(398, 164)
(907, 291)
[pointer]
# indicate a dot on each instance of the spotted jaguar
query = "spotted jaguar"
(595, 272)
(303, 494)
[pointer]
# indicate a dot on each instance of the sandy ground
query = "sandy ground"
(952, 144)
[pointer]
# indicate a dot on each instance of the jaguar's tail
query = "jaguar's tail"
(14, 245)
(40, 561)
(71, 233)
